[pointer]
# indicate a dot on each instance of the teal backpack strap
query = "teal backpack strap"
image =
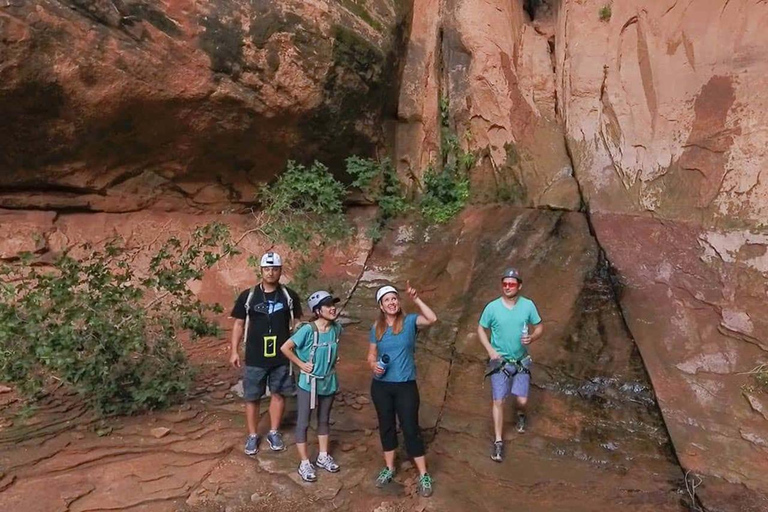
(312, 378)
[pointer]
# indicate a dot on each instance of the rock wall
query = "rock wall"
(647, 115)
(658, 111)
(492, 73)
(120, 105)
(664, 109)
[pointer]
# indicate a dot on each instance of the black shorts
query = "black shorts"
(256, 379)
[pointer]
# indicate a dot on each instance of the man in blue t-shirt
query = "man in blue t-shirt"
(509, 318)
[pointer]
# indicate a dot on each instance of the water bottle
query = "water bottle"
(382, 363)
(525, 330)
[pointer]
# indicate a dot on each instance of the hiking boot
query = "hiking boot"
(275, 440)
(327, 463)
(307, 471)
(385, 476)
(521, 423)
(252, 445)
(425, 486)
(497, 454)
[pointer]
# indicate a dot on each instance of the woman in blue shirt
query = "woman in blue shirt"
(314, 349)
(394, 391)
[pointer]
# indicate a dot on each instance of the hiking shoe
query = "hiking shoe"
(307, 471)
(328, 464)
(385, 476)
(521, 423)
(425, 486)
(498, 451)
(275, 440)
(252, 445)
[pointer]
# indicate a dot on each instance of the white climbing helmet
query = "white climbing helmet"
(385, 290)
(271, 259)
(320, 298)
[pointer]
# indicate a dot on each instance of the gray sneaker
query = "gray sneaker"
(275, 440)
(521, 423)
(425, 486)
(328, 464)
(497, 454)
(307, 471)
(252, 445)
(385, 477)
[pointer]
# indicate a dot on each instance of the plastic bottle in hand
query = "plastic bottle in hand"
(525, 331)
(383, 363)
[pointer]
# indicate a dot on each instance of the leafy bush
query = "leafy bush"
(605, 13)
(445, 194)
(95, 326)
(446, 190)
(379, 183)
(305, 203)
(306, 271)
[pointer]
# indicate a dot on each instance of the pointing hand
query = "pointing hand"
(411, 291)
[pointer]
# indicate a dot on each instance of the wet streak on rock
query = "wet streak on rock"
(706, 151)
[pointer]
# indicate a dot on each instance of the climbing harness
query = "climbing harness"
(500, 365)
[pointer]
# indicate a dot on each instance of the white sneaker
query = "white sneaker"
(307, 471)
(328, 464)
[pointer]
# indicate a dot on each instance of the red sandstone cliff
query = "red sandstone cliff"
(119, 105)
(652, 120)
(657, 109)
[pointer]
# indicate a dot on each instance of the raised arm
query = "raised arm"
(426, 315)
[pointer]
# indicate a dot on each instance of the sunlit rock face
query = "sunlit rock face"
(124, 105)
(651, 117)
(664, 107)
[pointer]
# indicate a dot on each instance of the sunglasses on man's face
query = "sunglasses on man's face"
(509, 284)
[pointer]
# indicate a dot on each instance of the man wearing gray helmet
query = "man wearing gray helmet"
(314, 349)
(509, 318)
(264, 317)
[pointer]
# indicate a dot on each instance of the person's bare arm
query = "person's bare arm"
(373, 357)
(288, 350)
(426, 315)
(482, 334)
(237, 336)
(538, 330)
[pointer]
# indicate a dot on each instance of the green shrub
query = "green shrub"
(95, 326)
(306, 271)
(605, 13)
(760, 376)
(445, 195)
(304, 204)
(379, 183)
(446, 190)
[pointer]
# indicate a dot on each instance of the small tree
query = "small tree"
(97, 327)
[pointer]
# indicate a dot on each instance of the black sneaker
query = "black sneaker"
(521, 423)
(497, 454)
